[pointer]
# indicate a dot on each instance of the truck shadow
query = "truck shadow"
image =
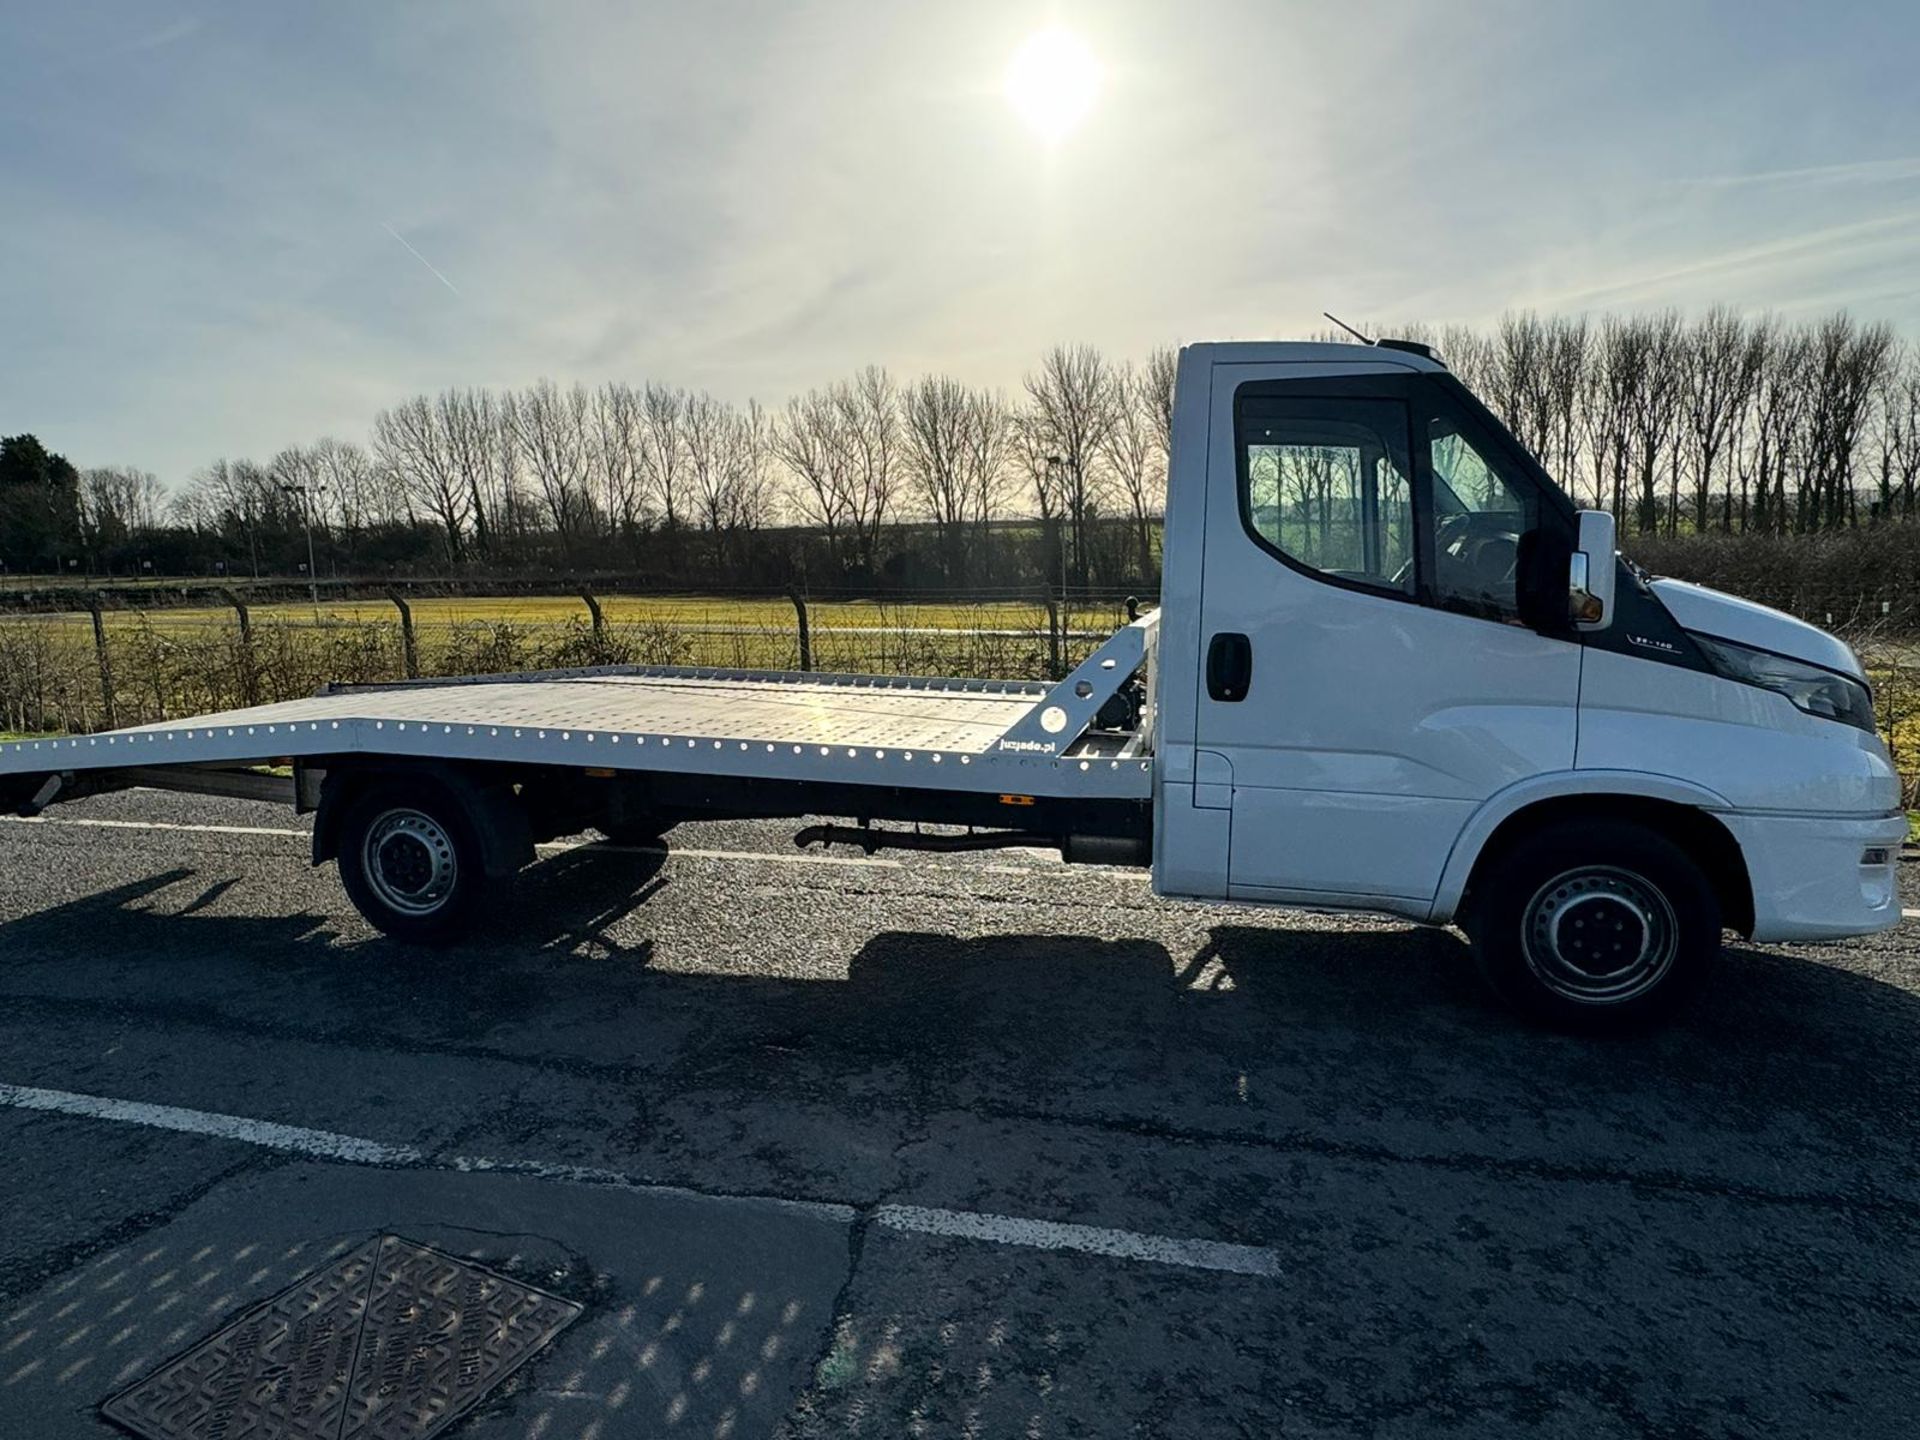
(166, 945)
(1377, 1020)
(1258, 1025)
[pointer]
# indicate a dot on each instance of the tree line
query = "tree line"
(1681, 426)
(1718, 424)
(863, 481)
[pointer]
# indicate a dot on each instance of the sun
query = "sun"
(1052, 81)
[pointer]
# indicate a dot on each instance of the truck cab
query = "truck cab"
(1400, 671)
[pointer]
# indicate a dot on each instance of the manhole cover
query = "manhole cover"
(391, 1340)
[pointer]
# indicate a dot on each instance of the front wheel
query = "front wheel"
(411, 863)
(1600, 925)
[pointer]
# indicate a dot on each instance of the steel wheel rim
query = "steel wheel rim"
(409, 862)
(1599, 935)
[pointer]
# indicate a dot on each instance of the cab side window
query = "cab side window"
(1324, 484)
(1481, 508)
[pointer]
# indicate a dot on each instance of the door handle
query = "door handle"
(1229, 666)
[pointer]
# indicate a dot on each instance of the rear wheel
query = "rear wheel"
(411, 862)
(1595, 925)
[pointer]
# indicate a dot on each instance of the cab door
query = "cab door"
(1367, 679)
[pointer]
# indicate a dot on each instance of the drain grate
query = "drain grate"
(393, 1341)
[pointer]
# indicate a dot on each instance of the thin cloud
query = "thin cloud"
(185, 28)
(421, 258)
(1828, 243)
(1857, 172)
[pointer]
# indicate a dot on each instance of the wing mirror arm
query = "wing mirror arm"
(1591, 575)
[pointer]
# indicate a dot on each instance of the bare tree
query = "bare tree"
(1133, 457)
(870, 419)
(1848, 361)
(1620, 357)
(619, 449)
(296, 468)
(515, 513)
(1074, 403)
(752, 495)
(1653, 411)
(469, 430)
(663, 456)
(351, 501)
(551, 426)
(242, 498)
(409, 442)
(1163, 367)
(809, 442)
(727, 452)
(118, 505)
(841, 444)
(954, 448)
(1521, 391)
(1045, 475)
(1722, 367)
(1564, 376)
(1468, 354)
(1898, 433)
(1779, 422)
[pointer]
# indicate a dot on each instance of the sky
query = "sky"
(225, 228)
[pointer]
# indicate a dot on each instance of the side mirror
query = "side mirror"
(1591, 575)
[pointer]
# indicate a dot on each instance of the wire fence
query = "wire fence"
(124, 660)
(81, 661)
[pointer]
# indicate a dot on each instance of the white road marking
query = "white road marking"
(296, 1138)
(1088, 1239)
(151, 825)
(558, 847)
(1910, 914)
(987, 1228)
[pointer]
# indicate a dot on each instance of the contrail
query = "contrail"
(418, 256)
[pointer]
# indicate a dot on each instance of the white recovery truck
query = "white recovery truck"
(1394, 670)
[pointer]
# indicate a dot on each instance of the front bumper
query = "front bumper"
(1810, 880)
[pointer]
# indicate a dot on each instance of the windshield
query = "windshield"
(1464, 483)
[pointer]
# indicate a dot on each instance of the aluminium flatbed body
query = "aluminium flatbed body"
(690, 742)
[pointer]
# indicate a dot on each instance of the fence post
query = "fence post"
(599, 625)
(409, 655)
(249, 676)
(106, 661)
(805, 630)
(1054, 638)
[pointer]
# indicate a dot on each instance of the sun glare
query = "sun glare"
(1052, 82)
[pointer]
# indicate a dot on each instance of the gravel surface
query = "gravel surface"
(1473, 1227)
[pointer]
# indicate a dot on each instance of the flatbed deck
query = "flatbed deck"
(844, 729)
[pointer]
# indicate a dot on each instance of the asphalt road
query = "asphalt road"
(973, 1146)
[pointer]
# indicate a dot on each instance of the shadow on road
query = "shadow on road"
(1261, 1025)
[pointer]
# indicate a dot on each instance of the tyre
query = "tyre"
(411, 862)
(1595, 925)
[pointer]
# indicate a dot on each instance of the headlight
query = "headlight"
(1819, 692)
